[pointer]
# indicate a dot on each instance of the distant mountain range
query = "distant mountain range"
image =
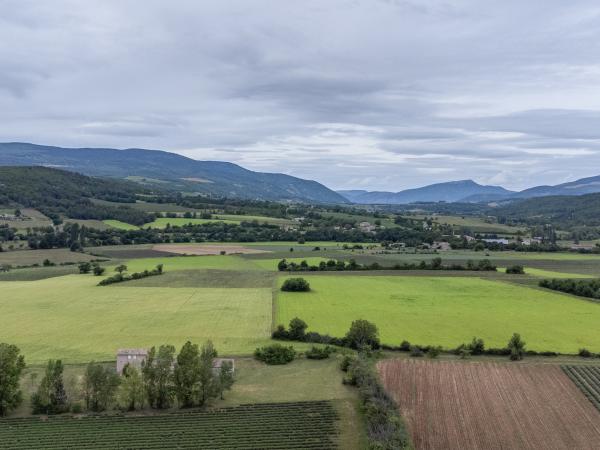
(453, 191)
(170, 171)
(468, 191)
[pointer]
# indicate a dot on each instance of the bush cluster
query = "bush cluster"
(120, 277)
(319, 353)
(516, 270)
(275, 354)
(583, 288)
(295, 285)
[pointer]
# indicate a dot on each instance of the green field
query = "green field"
(227, 262)
(162, 222)
(445, 311)
(30, 257)
(271, 264)
(121, 225)
(548, 273)
(72, 319)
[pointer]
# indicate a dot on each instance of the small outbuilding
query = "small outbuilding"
(133, 356)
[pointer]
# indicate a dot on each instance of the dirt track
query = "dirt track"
(455, 405)
(205, 249)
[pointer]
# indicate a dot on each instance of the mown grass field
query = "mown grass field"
(445, 311)
(121, 225)
(72, 319)
(30, 257)
(162, 222)
(226, 262)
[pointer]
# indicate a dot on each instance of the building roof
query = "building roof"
(132, 351)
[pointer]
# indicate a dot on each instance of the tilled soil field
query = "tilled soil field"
(473, 405)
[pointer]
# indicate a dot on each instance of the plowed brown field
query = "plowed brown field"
(471, 405)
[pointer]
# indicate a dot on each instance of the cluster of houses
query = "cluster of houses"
(136, 356)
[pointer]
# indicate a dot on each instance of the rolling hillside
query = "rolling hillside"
(170, 171)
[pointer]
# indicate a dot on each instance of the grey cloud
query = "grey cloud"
(385, 95)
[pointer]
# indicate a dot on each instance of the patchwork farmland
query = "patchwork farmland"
(456, 405)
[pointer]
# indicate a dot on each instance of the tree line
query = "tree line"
(165, 380)
(582, 288)
(352, 265)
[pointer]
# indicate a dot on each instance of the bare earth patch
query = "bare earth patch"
(453, 405)
(206, 249)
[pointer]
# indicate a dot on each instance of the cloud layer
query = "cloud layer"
(372, 94)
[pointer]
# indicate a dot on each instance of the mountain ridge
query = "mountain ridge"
(449, 192)
(218, 178)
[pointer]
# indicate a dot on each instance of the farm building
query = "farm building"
(218, 363)
(136, 356)
(132, 356)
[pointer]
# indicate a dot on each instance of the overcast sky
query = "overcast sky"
(363, 94)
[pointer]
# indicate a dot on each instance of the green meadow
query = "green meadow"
(71, 318)
(445, 311)
(162, 222)
(226, 262)
(120, 225)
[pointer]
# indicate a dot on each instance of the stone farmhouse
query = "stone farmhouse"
(136, 356)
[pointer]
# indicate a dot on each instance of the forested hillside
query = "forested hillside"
(172, 171)
(561, 211)
(59, 193)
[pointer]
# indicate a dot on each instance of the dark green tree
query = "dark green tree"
(208, 384)
(121, 268)
(517, 347)
(187, 375)
(158, 376)
(363, 333)
(131, 390)
(100, 386)
(85, 267)
(12, 364)
(297, 330)
(51, 397)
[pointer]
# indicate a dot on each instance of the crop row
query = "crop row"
(587, 379)
(306, 425)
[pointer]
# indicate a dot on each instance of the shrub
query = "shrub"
(85, 267)
(98, 271)
(476, 347)
(434, 351)
(275, 354)
(585, 353)
(517, 347)
(319, 353)
(404, 346)
(346, 361)
(516, 270)
(361, 333)
(416, 351)
(295, 285)
(297, 330)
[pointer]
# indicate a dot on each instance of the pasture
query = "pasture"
(71, 318)
(453, 405)
(120, 225)
(30, 257)
(444, 311)
(225, 262)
